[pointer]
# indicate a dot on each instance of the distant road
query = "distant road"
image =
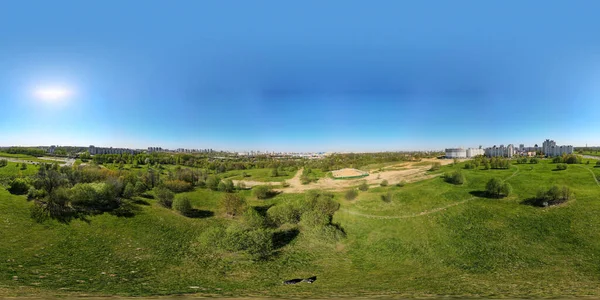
(591, 156)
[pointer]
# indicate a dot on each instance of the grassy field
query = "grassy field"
(25, 157)
(258, 175)
(432, 238)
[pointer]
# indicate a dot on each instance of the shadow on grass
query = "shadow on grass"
(271, 194)
(484, 194)
(147, 196)
(262, 210)
(200, 214)
(139, 201)
(284, 237)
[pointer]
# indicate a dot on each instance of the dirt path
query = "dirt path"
(413, 172)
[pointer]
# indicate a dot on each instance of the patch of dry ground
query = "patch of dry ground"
(411, 171)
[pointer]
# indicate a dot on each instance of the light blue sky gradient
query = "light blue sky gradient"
(305, 75)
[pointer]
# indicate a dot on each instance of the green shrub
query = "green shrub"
(177, 186)
(435, 166)
(212, 182)
(18, 186)
(401, 184)
(165, 197)
(387, 197)
(561, 166)
(262, 191)
(283, 213)
(253, 219)
(233, 204)
(183, 206)
(554, 195)
(456, 177)
(313, 218)
(363, 186)
(3, 163)
(229, 187)
(129, 191)
(384, 183)
(495, 187)
(351, 194)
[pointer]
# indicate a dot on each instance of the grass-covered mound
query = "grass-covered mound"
(431, 238)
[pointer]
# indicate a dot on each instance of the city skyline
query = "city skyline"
(351, 77)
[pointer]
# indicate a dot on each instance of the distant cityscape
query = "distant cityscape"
(548, 148)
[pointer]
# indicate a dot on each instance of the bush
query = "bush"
(351, 194)
(401, 184)
(3, 163)
(387, 197)
(23, 166)
(34, 193)
(534, 160)
(221, 186)
(598, 163)
(455, 177)
(384, 183)
(263, 192)
(165, 197)
(18, 186)
(212, 182)
(129, 191)
(139, 188)
(363, 186)
(253, 219)
(554, 195)
(183, 206)
(256, 242)
(313, 218)
(497, 188)
(233, 204)
(282, 214)
(229, 187)
(435, 166)
(561, 166)
(470, 165)
(177, 186)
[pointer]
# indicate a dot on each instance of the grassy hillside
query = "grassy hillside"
(432, 238)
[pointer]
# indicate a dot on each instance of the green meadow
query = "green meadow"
(431, 238)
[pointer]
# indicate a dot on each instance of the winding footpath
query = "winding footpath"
(426, 212)
(593, 174)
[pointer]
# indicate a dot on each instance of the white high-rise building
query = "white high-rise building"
(463, 153)
(502, 151)
(549, 148)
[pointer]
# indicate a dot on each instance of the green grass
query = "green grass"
(474, 247)
(258, 175)
(25, 157)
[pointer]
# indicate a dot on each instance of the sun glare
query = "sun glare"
(52, 94)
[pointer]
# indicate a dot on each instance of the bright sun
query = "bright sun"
(52, 94)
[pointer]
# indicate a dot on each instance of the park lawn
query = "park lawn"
(258, 175)
(479, 247)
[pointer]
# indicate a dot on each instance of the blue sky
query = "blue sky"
(304, 75)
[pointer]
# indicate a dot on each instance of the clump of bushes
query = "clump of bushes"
(401, 184)
(177, 186)
(165, 197)
(435, 166)
(233, 204)
(598, 163)
(387, 197)
(3, 163)
(456, 177)
(18, 186)
(363, 186)
(351, 194)
(384, 183)
(183, 206)
(561, 166)
(553, 196)
(263, 192)
(497, 188)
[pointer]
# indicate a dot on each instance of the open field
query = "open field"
(432, 238)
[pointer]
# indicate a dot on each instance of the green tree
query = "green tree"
(233, 204)
(495, 187)
(129, 191)
(212, 182)
(229, 187)
(165, 197)
(183, 206)
(23, 166)
(262, 191)
(274, 172)
(18, 186)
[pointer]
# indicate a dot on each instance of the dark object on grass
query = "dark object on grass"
(310, 279)
(292, 281)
